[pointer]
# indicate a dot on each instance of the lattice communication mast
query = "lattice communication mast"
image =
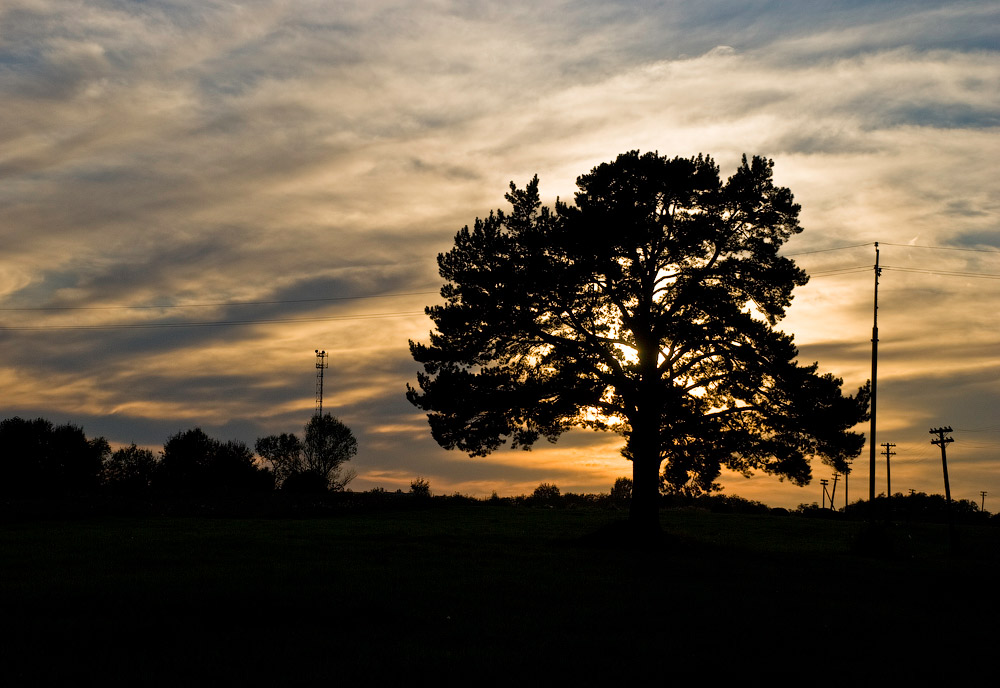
(321, 365)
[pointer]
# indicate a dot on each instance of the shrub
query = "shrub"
(306, 482)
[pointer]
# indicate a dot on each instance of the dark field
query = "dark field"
(483, 595)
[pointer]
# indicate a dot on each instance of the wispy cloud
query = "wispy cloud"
(177, 153)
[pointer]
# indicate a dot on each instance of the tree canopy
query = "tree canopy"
(648, 307)
(316, 460)
(38, 458)
(194, 463)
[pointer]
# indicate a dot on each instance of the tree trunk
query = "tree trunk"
(644, 511)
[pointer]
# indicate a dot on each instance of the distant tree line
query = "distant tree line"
(916, 506)
(39, 459)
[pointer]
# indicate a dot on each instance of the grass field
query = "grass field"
(479, 595)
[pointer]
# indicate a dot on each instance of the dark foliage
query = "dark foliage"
(305, 482)
(40, 459)
(284, 453)
(194, 463)
(716, 503)
(129, 470)
(326, 446)
(646, 308)
(621, 492)
(420, 488)
(546, 494)
(919, 506)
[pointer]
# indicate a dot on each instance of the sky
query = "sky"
(196, 196)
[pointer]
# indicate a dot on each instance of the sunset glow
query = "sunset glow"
(196, 196)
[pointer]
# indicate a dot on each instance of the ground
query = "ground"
(486, 595)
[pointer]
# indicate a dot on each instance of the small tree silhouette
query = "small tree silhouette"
(328, 444)
(546, 494)
(420, 488)
(621, 492)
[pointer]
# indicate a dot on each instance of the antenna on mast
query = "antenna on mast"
(321, 365)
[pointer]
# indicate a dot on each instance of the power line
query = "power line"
(840, 271)
(824, 250)
(847, 270)
(217, 304)
(946, 273)
(212, 323)
(944, 248)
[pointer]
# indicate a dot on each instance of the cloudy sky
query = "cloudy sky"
(195, 196)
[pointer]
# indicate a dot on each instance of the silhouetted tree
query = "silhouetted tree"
(129, 470)
(621, 491)
(648, 309)
(283, 452)
(194, 463)
(328, 444)
(546, 494)
(37, 458)
(420, 488)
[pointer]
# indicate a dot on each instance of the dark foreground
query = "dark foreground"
(481, 595)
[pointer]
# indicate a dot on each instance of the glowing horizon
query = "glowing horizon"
(289, 176)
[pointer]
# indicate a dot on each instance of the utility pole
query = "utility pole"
(846, 474)
(871, 440)
(888, 479)
(824, 483)
(321, 365)
(836, 477)
(942, 442)
(982, 506)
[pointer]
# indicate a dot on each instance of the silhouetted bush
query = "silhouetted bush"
(305, 482)
(457, 498)
(582, 500)
(919, 506)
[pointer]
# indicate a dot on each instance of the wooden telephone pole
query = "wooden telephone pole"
(888, 475)
(871, 439)
(942, 442)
